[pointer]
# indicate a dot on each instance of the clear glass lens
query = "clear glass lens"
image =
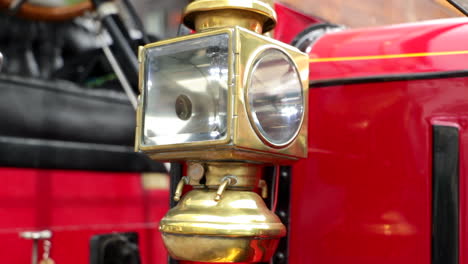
(275, 97)
(186, 91)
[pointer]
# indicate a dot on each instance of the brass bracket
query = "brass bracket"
(225, 182)
(180, 187)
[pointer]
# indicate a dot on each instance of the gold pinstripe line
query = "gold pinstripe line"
(392, 56)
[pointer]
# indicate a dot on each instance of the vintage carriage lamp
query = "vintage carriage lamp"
(226, 101)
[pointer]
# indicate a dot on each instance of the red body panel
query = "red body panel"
(75, 205)
(364, 195)
(410, 40)
(290, 23)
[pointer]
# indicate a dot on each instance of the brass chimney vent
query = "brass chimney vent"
(255, 15)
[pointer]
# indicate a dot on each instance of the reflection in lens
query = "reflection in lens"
(275, 97)
(183, 107)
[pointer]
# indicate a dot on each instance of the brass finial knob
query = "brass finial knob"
(256, 15)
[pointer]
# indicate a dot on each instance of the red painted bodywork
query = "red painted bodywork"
(364, 193)
(435, 36)
(291, 22)
(75, 205)
(363, 196)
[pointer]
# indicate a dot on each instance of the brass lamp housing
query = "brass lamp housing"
(242, 141)
(234, 227)
(238, 228)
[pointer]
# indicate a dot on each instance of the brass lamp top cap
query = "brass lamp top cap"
(261, 7)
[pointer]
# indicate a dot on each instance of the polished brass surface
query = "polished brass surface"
(264, 187)
(247, 175)
(237, 214)
(255, 15)
(180, 187)
(242, 142)
(221, 153)
(220, 176)
(238, 228)
(222, 219)
(225, 18)
(220, 249)
(225, 182)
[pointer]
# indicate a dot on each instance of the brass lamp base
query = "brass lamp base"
(220, 249)
(237, 228)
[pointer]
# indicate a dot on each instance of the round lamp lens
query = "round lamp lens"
(275, 98)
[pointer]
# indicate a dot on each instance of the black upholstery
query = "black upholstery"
(56, 124)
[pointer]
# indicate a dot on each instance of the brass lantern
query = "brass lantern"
(224, 94)
(227, 101)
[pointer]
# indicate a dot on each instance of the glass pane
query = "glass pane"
(186, 87)
(275, 97)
